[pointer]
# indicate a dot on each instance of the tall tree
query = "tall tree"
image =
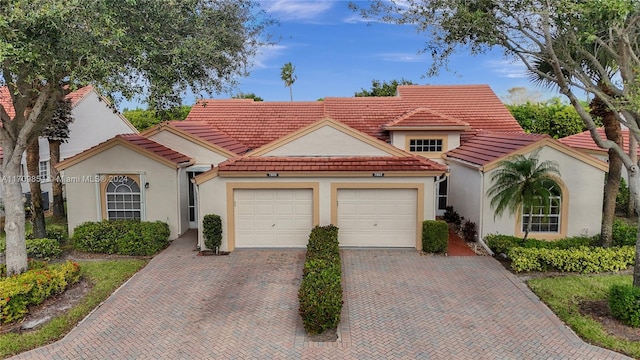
(57, 132)
(551, 117)
(242, 95)
(156, 49)
(33, 178)
(523, 183)
(286, 74)
(521, 95)
(144, 119)
(570, 36)
(383, 88)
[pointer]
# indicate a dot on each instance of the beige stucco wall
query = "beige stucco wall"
(327, 141)
(212, 195)
(584, 184)
(465, 191)
(400, 140)
(200, 154)
(160, 200)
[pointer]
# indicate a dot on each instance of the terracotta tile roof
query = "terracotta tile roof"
(423, 117)
(487, 147)
(155, 148)
(75, 97)
(584, 141)
(477, 105)
(311, 164)
(257, 123)
(205, 132)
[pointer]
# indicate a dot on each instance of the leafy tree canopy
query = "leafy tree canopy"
(247, 96)
(551, 117)
(383, 88)
(144, 119)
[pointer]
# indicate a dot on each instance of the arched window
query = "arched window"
(541, 222)
(123, 198)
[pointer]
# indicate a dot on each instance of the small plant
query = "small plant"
(452, 217)
(469, 231)
(623, 233)
(622, 198)
(624, 302)
(435, 236)
(212, 231)
(45, 249)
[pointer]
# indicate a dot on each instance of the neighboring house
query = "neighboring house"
(584, 142)
(95, 121)
(375, 167)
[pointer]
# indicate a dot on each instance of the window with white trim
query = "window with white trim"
(123, 199)
(44, 171)
(545, 223)
(425, 145)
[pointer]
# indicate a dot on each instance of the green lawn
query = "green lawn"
(563, 294)
(106, 276)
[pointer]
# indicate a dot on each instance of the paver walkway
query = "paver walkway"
(456, 246)
(398, 305)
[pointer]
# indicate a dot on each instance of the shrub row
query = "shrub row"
(624, 302)
(33, 287)
(581, 259)
(320, 293)
(124, 237)
(435, 236)
(501, 244)
(45, 249)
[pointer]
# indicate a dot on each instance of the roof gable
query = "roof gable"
(200, 134)
(327, 137)
(584, 141)
(486, 150)
(426, 119)
(135, 142)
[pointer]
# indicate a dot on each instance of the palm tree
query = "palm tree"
(286, 74)
(613, 132)
(523, 182)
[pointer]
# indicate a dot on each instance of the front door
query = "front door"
(193, 201)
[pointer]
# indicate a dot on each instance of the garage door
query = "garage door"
(377, 217)
(273, 218)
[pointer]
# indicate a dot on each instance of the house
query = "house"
(375, 167)
(95, 121)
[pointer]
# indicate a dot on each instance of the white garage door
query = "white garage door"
(273, 218)
(377, 217)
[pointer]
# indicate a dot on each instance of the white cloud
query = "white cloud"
(507, 69)
(266, 53)
(401, 57)
(296, 10)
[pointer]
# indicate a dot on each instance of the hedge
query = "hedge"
(623, 233)
(54, 231)
(581, 259)
(33, 287)
(320, 294)
(124, 237)
(435, 236)
(45, 249)
(501, 244)
(624, 302)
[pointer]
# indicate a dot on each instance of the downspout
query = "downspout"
(481, 222)
(437, 182)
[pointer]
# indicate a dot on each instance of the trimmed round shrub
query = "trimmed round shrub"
(624, 302)
(435, 236)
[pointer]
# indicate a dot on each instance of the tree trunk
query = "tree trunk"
(58, 200)
(633, 190)
(633, 155)
(33, 170)
(614, 133)
(16, 250)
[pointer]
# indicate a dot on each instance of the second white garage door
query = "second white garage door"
(273, 217)
(377, 217)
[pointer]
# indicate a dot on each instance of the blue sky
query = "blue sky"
(336, 53)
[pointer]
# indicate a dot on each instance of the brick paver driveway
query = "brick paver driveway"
(399, 305)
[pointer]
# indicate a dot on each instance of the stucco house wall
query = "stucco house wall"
(465, 191)
(582, 197)
(197, 152)
(161, 200)
(212, 195)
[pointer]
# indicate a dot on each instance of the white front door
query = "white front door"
(273, 217)
(377, 217)
(193, 201)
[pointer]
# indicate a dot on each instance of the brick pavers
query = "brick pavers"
(398, 305)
